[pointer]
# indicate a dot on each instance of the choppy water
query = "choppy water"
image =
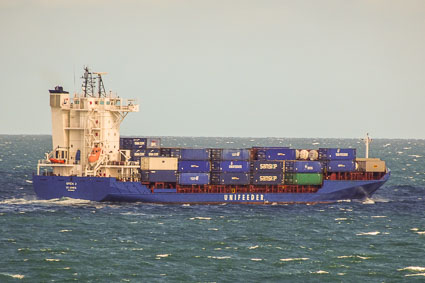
(380, 240)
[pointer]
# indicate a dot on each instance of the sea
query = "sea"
(381, 239)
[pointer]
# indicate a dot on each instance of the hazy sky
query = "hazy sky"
(223, 68)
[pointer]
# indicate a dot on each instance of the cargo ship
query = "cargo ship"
(89, 160)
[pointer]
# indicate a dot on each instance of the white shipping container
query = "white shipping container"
(371, 165)
(159, 163)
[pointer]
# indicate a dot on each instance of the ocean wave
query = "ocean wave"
(57, 201)
(200, 218)
(368, 233)
(294, 259)
(15, 276)
(320, 272)
(412, 268)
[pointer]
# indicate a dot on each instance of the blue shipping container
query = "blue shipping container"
(235, 178)
(279, 153)
(267, 166)
(341, 166)
(194, 178)
(235, 154)
(337, 153)
(303, 166)
(231, 166)
(170, 152)
(159, 176)
(194, 166)
(137, 153)
(194, 154)
(267, 178)
(133, 143)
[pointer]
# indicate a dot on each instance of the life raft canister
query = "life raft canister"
(54, 160)
(95, 154)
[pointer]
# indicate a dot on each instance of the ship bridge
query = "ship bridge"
(86, 130)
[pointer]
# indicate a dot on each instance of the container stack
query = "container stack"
(230, 166)
(258, 165)
(338, 159)
(303, 172)
(269, 166)
(141, 147)
(194, 166)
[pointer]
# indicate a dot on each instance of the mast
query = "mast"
(367, 140)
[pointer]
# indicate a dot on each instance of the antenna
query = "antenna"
(88, 83)
(101, 88)
(367, 140)
(73, 68)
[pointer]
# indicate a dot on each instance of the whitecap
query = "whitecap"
(52, 259)
(321, 272)
(341, 219)
(253, 247)
(256, 259)
(368, 233)
(416, 274)
(64, 230)
(28, 181)
(16, 276)
(378, 216)
(212, 229)
(354, 256)
(421, 232)
(368, 201)
(219, 257)
(162, 255)
(200, 218)
(294, 259)
(412, 268)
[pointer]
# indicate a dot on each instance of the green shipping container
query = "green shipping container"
(304, 179)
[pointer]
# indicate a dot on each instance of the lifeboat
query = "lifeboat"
(95, 154)
(54, 160)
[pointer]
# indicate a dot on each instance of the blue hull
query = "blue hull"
(108, 189)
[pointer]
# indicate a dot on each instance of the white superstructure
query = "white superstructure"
(86, 132)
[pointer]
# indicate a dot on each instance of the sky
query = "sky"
(240, 68)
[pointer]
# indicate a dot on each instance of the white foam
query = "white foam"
(354, 256)
(200, 218)
(16, 276)
(421, 232)
(378, 216)
(212, 229)
(412, 268)
(368, 201)
(321, 272)
(219, 257)
(369, 233)
(256, 259)
(64, 230)
(414, 229)
(340, 219)
(162, 255)
(416, 274)
(294, 259)
(52, 259)
(253, 247)
(56, 201)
